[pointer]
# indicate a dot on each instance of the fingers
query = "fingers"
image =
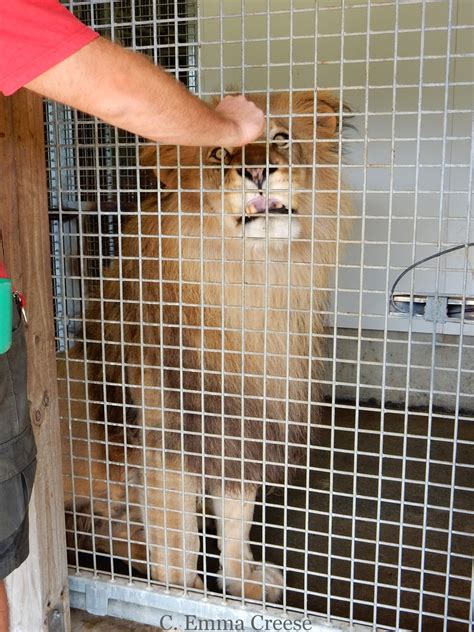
(249, 120)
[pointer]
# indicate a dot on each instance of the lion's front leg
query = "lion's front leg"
(170, 518)
(169, 494)
(234, 516)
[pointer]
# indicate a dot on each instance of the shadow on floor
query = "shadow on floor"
(84, 622)
(381, 527)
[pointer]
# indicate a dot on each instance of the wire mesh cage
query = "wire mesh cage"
(255, 425)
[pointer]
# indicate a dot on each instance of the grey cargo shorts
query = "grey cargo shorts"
(17, 453)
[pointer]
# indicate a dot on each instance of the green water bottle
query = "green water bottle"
(6, 302)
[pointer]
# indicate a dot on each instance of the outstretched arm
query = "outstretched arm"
(125, 89)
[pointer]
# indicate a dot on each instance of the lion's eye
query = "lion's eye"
(282, 139)
(220, 153)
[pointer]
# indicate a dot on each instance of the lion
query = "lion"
(203, 347)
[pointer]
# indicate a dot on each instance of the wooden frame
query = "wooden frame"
(38, 590)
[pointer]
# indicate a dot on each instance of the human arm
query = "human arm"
(126, 90)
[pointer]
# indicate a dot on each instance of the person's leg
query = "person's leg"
(4, 626)
(17, 460)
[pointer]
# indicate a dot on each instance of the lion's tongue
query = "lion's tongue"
(259, 204)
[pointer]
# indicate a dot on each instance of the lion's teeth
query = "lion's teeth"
(278, 205)
(251, 209)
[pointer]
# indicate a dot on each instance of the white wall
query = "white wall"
(411, 198)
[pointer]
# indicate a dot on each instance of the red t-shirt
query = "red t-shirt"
(34, 36)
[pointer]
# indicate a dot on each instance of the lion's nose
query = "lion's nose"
(257, 175)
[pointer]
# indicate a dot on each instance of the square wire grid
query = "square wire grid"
(376, 527)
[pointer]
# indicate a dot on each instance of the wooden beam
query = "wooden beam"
(40, 584)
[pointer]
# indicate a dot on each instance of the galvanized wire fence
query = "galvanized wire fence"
(196, 345)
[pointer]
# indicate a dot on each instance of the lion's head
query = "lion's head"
(278, 187)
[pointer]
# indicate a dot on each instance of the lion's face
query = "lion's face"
(261, 197)
(266, 191)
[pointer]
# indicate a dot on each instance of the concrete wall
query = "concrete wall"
(408, 371)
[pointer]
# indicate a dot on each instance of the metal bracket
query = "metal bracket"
(96, 599)
(436, 309)
(55, 619)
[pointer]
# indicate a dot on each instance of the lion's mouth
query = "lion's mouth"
(261, 205)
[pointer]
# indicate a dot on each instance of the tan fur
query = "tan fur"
(186, 305)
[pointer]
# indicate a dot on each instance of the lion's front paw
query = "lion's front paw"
(175, 576)
(254, 583)
(177, 567)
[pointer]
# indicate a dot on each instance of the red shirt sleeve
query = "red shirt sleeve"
(34, 36)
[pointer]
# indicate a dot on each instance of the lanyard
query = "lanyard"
(18, 296)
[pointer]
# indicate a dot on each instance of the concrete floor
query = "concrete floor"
(333, 565)
(366, 563)
(83, 622)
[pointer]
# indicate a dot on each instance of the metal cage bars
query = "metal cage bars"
(371, 359)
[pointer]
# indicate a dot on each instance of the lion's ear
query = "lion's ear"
(328, 115)
(163, 159)
(328, 108)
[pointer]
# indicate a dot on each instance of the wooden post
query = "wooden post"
(38, 593)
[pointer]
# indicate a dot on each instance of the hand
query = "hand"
(248, 119)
